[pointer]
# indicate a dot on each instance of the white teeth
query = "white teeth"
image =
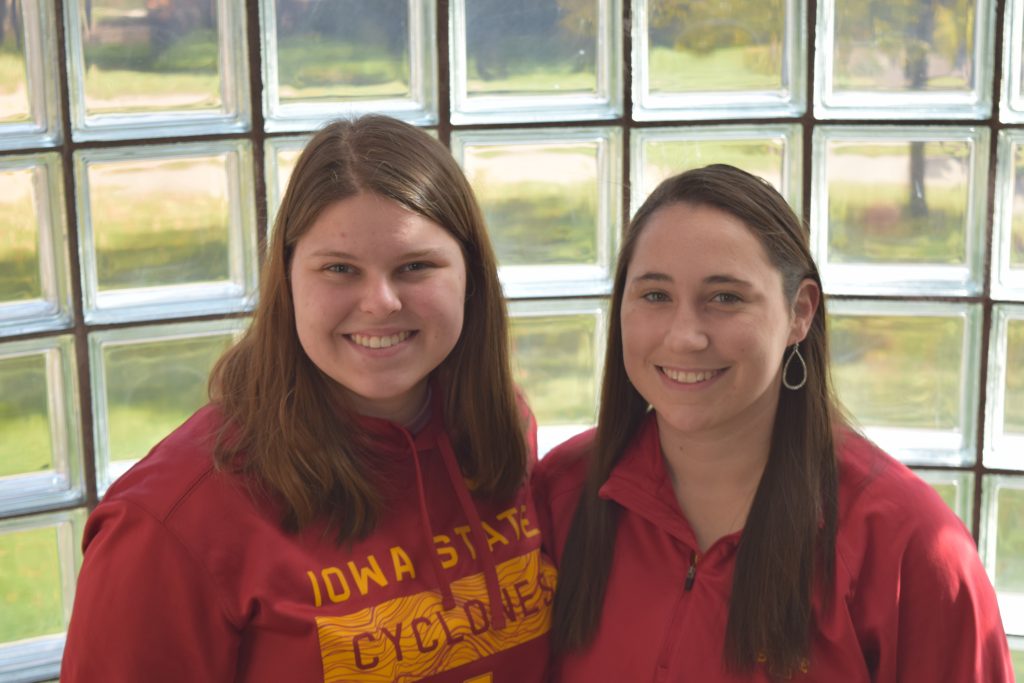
(689, 377)
(372, 342)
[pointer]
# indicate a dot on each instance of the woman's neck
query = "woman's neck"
(715, 476)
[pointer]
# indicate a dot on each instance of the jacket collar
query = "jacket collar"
(640, 483)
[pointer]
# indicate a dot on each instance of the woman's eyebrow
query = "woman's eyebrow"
(652, 276)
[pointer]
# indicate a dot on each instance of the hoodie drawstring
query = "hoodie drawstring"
(447, 599)
(476, 528)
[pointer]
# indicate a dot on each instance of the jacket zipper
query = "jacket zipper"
(691, 573)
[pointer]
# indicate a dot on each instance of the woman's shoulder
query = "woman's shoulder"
(906, 563)
(175, 468)
(872, 478)
(885, 509)
(564, 467)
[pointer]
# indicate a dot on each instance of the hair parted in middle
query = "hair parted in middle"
(286, 424)
(789, 536)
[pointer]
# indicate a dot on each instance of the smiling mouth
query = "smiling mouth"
(689, 377)
(369, 341)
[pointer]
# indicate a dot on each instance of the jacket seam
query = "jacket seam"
(203, 569)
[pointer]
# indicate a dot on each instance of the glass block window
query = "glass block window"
(1005, 419)
(771, 152)
(29, 112)
(146, 382)
(145, 146)
(697, 61)
(551, 201)
(1017, 655)
(149, 69)
(167, 230)
(40, 452)
(535, 60)
(904, 60)
(39, 560)
(955, 488)
(1012, 102)
(348, 57)
(1008, 240)
(35, 289)
(901, 370)
(1002, 546)
(897, 209)
(558, 347)
(281, 154)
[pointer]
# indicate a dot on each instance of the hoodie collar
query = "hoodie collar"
(404, 445)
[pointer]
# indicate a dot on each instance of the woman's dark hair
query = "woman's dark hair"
(285, 424)
(788, 541)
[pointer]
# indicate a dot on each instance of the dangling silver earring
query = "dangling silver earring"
(795, 353)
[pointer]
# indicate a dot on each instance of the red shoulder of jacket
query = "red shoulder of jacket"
(872, 482)
(174, 467)
(909, 574)
(886, 510)
(556, 485)
(564, 469)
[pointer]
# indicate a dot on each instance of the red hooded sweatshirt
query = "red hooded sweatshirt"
(911, 601)
(188, 576)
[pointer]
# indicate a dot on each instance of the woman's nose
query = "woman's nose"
(380, 297)
(688, 331)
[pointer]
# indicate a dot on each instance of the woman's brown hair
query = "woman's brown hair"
(788, 541)
(284, 423)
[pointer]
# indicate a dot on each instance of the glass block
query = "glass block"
(1017, 656)
(146, 381)
(138, 68)
(535, 60)
(281, 155)
(772, 152)
(40, 452)
(39, 561)
(896, 210)
(956, 488)
(35, 289)
(557, 353)
(1008, 235)
(166, 230)
(1004, 420)
(348, 57)
(693, 60)
(551, 199)
(29, 95)
(1002, 545)
(904, 61)
(1011, 108)
(907, 373)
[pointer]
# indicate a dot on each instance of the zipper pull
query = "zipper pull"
(691, 573)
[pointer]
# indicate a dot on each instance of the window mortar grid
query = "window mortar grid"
(257, 136)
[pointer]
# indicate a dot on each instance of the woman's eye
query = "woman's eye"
(339, 268)
(725, 298)
(655, 296)
(415, 266)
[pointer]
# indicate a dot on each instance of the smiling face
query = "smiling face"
(379, 293)
(705, 322)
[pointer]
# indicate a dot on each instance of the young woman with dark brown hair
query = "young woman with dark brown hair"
(723, 522)
(352, 504)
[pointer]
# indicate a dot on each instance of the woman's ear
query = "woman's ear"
(805, 305)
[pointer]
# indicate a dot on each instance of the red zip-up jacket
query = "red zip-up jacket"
(188, 576)
(911, 601)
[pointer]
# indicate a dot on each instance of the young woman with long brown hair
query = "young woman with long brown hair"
(352, 504)
(723, 522)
